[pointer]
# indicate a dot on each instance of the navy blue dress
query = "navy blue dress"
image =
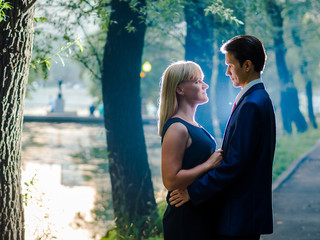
(189, 221)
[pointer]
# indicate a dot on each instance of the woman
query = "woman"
(187, 148)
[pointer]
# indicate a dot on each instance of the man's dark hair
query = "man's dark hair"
(246, 47)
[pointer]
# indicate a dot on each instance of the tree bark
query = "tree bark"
(16, 38)
(289, 101)
(303, 70)
(225, 92)
(311, 115)
(132, 189)
(199, 48)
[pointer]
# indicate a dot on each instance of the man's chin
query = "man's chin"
(235, 85)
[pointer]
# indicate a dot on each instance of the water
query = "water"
(66, 181)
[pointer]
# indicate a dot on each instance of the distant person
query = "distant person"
(52, 103)
(188, 150)
(92, 108)
(240, 189)
(100, 108)
(59, 104)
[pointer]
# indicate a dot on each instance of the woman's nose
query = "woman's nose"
(205, 86)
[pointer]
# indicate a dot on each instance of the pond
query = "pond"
(66, 182)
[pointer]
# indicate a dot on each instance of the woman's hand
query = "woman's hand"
(179, 197)
(215, 159)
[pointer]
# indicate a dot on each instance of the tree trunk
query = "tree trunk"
(289, 101)
(303, 70)
(199, 48)
(225, 92)
(16, 37)
(311, 115)
(132, 189)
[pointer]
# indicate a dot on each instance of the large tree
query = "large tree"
(199, 48)
(113, 56)
(224, 91)
(289, 102)
(16, 37)
(295, 13)
(132, 190)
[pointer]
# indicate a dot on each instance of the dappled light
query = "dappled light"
(79, 96)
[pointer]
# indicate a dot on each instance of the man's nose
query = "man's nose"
(227, 72)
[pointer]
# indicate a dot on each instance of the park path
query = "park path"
(296, 200)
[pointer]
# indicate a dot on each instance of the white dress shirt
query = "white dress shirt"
(246, 88)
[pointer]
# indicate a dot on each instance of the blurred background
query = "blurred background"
(66, 180)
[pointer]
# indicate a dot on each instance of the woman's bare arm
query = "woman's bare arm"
(173, 147)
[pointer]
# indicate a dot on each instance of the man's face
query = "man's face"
(235, 71)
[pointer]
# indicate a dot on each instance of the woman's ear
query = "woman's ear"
(179, 91)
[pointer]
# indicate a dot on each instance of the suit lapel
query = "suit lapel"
(250, 90)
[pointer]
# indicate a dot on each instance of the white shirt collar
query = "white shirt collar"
(246, 88)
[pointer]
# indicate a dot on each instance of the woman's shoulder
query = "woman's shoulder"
(175, 125)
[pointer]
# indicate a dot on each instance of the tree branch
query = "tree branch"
(91, 45)
(85, 64)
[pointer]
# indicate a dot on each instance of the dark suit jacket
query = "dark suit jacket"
(240, 189)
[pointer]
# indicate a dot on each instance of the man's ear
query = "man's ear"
(248, 65)
(179, 91)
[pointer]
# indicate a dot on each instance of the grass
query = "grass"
(290, 147)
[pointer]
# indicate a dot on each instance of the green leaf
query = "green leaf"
(80, 46)
(43, 19)
(61, 59)
(47, 63)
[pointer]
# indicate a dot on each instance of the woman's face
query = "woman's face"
(194, 91)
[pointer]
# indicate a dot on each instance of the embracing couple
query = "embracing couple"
(224, 194)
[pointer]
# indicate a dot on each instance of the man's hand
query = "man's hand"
(179, 197)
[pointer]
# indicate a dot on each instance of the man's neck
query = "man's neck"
(250, 79)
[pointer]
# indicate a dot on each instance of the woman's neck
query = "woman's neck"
(187, 114)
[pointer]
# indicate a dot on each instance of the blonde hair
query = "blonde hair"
(176, 73)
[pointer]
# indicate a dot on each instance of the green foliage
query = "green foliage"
(3, 6)
(30, 187)
(152, 227)
(86, 154)
(290, 147)
(160, 51)
(130, 28)
(64, 50)
(226, 14)
(41, 19)
(302, 32)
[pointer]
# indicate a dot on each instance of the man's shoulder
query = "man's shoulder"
(257, 94)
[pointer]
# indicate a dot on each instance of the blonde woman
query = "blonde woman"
(188, 150)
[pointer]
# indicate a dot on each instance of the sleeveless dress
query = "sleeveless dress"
(189, 221)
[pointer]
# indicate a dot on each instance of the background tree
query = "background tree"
(289, 102)
(295, 14)
(132, 190)
(113, 57)
(224, 30)
(16, 36)
(199, 48)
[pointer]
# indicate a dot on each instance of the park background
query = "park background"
(112, 54)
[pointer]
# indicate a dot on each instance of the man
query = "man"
(240, 189)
